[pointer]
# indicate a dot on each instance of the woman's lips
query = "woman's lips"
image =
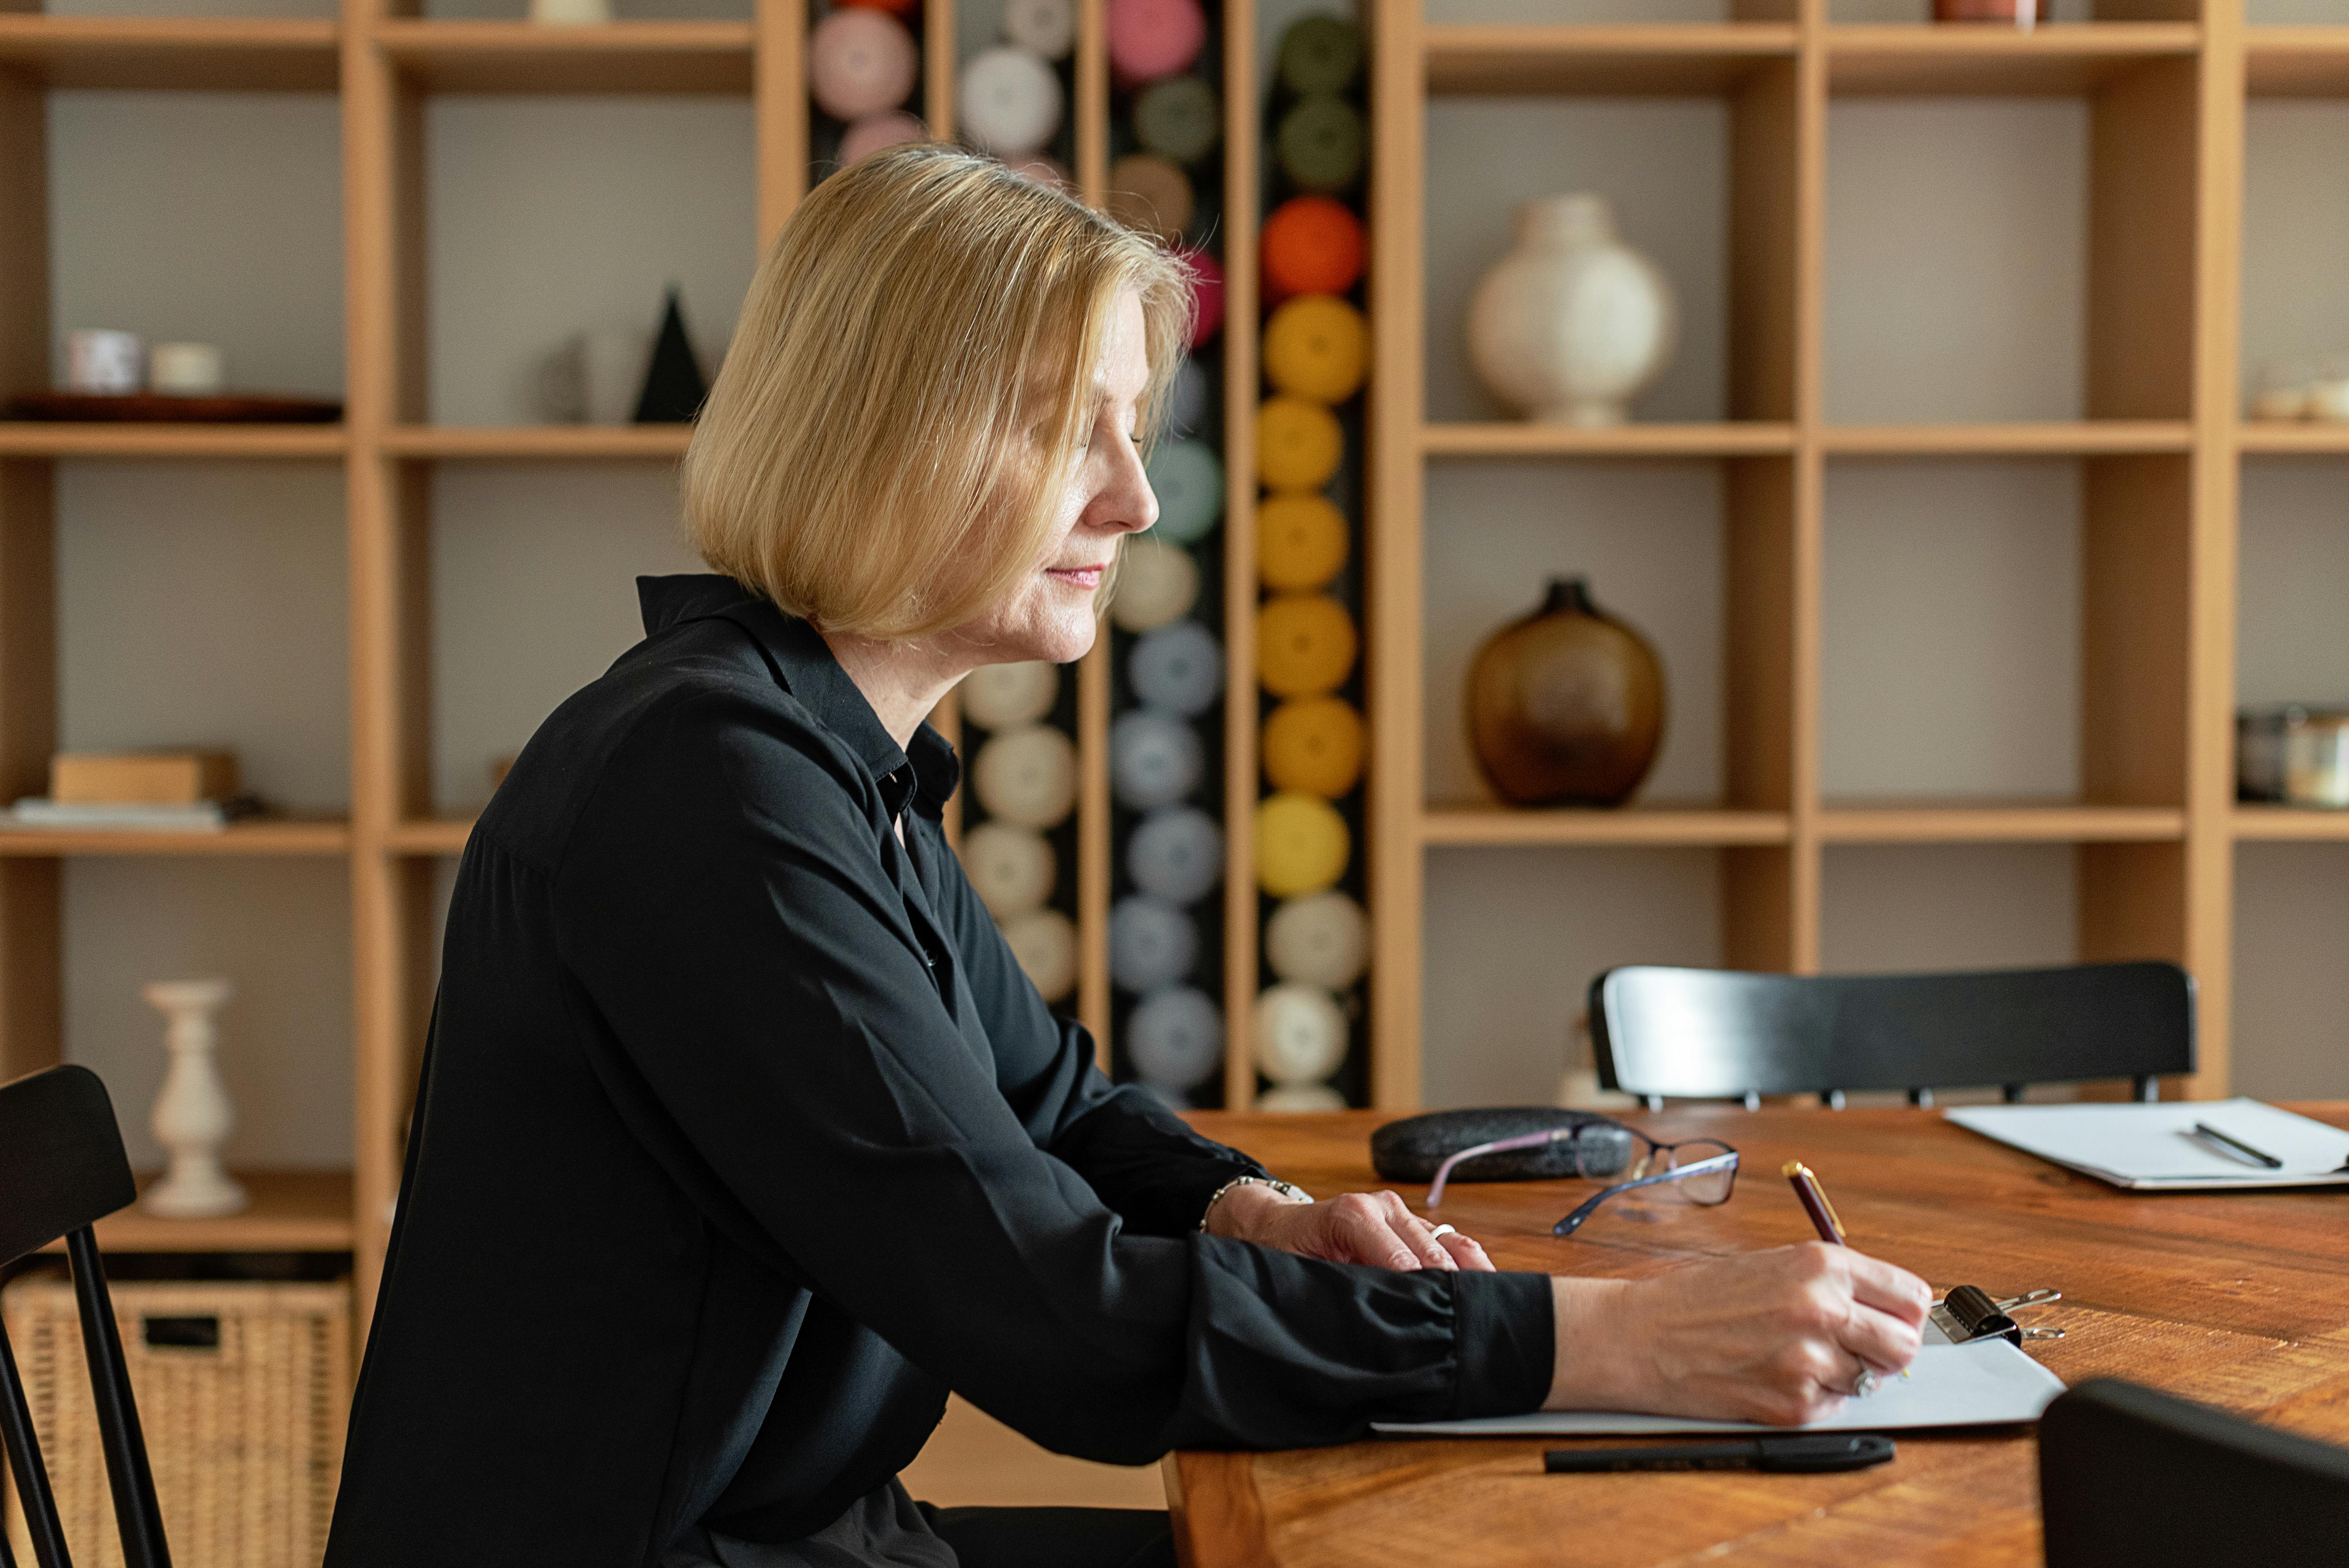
(1084, 577)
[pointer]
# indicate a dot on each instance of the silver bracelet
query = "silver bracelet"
(1290, 1190)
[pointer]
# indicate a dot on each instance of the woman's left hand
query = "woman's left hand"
(1375, 1228)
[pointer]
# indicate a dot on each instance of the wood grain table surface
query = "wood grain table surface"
(2239, 1299)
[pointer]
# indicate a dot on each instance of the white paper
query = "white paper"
(2153, 1146)
(1987, 1384)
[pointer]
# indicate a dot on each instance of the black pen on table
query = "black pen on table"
(2204, 1130)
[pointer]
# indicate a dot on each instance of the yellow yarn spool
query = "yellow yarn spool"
(1301, 541)
(1301, 845)
(1305, 644)
(1317, 347)
(1313, 746)
(1297, 445)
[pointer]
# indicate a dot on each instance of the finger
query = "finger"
(1416, 1233)
(1370, 1239)
(1889, 1288)
(1883, 1341)
(1467, 1252)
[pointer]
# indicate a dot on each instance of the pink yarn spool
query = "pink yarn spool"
(1153, 38)
(876, 131)
(1206, 292)
(861, 62)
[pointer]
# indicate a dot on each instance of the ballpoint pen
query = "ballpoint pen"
(2228, 1140)
(1813, 1200)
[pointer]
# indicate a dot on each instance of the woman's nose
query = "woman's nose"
(1127, 503)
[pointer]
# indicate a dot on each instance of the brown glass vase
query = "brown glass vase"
(1566, 707)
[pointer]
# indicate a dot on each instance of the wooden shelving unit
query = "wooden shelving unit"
(2157, 450)
(2158, 447)
(292, 1212)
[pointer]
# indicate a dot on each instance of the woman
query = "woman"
(742, 1139)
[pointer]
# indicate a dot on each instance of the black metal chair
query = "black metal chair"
(2129, 1478)
(1716, 1034)
(61, 1170)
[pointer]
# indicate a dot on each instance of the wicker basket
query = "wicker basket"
(242, 1391)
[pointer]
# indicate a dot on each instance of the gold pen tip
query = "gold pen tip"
(1793, 1168)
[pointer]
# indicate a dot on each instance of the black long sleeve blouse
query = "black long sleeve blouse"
(742, 1139)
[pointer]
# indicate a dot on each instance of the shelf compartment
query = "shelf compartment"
(1476, 825)
(524, 58)
(2315, 439)
(2292, 824)
(2297, 62)
(2082, 438)
(567, 443)
(41, 439)
(2062, 59)
(1501, 439)
(273, 835)
(292, 1212)
(430, 836)
(213, 52)
(1998, 822)
(1466, 59)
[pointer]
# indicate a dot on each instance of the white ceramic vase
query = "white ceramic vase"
(193, 1115)
(1573, 323)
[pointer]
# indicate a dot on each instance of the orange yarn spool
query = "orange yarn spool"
(1310, 244)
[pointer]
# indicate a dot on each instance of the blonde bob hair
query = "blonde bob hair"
(909, 388)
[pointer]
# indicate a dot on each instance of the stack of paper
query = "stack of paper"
(1988, 1384)
(2154, 1148)
(41, 813)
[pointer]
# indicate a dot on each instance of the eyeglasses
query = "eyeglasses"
(1702, 1170)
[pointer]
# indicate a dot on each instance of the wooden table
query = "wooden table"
(2241, 1300)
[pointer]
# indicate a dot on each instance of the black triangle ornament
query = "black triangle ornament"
(673, 385)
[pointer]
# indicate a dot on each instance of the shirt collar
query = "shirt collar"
(803, 664)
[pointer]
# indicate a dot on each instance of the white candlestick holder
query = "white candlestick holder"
(193, 1115)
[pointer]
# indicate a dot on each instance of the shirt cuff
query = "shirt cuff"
(1506, 1334)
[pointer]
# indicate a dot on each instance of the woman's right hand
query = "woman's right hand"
(1777, 1336)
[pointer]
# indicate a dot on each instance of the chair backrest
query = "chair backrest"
(62, 1168)
(2131, 1476)
(1713, 1033)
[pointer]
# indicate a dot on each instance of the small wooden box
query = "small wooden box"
(141, 777)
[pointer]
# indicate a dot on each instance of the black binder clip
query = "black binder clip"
(1969, 1315)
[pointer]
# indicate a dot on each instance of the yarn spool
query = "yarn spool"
(1176, 1036)
(1306, 644)
(1319, 144)
(1319, 54)
(1004, 696)
(1151, 943)
(1044, 946)
(1179, 119)
(1156, 582)
(1317, 347)
(1188, 479)
(1301, 1034)
(1322, 939)
(1153, 38)
(1207, 276)
(1178, 667)
(1310, 244)
(1044, 27)
(1011, 869)
(1299, 445)
(1008, 101)
(1301, 845)
(1150, 196)
(1301, 541)
(861, 61)
(1176, 854)
(1154, 760)
(1190, 399)
(1026, 777)
(1313, 745)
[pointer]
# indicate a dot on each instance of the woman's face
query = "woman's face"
(1051, 613)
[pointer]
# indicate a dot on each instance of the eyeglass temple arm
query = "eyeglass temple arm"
(1590, 1205)
(1498, 1146)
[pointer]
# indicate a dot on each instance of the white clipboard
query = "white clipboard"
(2154, 1148)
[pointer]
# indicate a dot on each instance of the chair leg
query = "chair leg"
(136, 1513)
(1651, 1102)
(1832, 1099)
(2012, 1094)
(1921, 1097)
(31, 1476)
(1752, 1099)
(2148, 1087)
